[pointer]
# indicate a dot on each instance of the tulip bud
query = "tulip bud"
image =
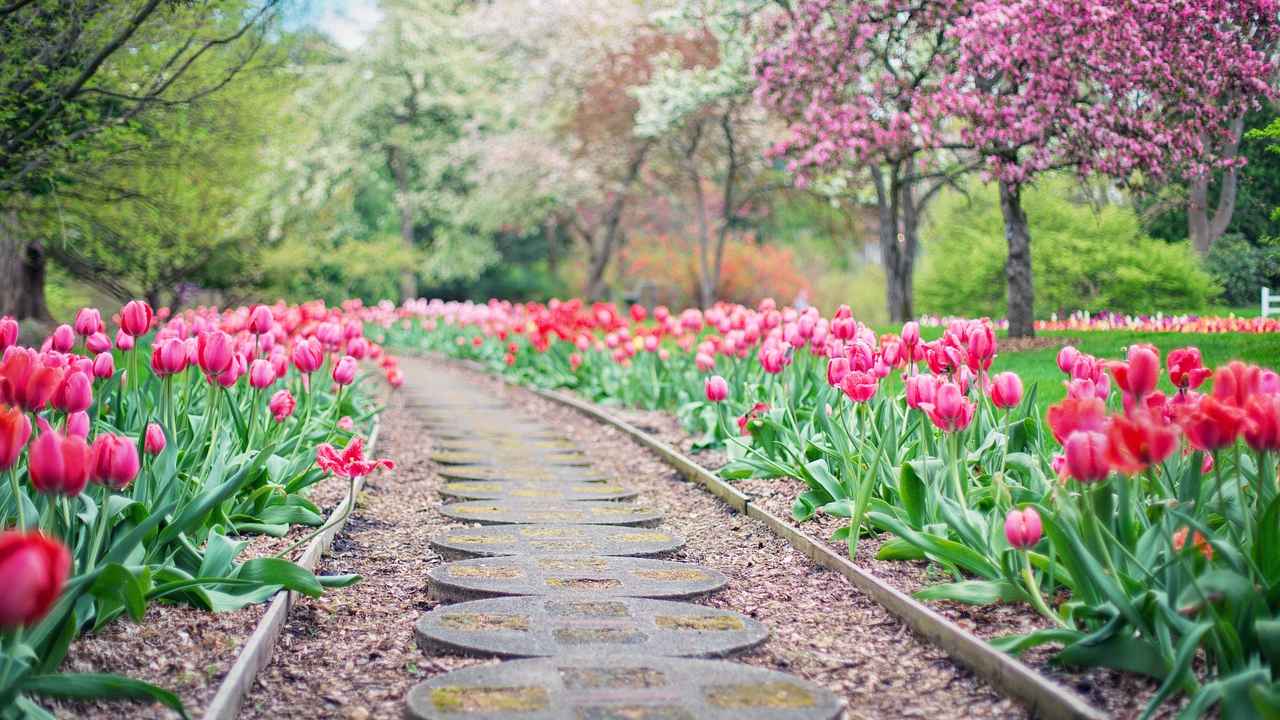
(214, 352)
(358, 348)
(717, 389)
(168, 357)
(346, 423)
(1022, 528)
(1086, 456)
(63, 338)
(33, 569)
(1067, 357)
(114, 461)
(58, 465)
(344, 371)
(911, 334)
(8, 332)
(1006, 390)
(74, 394)
(307, 356)
(154, 440)
(104, 366)
(921, 389)
(124, 340)
(261, 320)
(88, 322)
(261, 374)
(97, 343)
(78, 424)
(135, 318)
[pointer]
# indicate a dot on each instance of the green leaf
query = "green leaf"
(115, 582)
(1121, 652)
(898, 549)
(1018, 644)
(277, 571)
(913, 493)
(338, 581)
(87, 686)
(974, 592)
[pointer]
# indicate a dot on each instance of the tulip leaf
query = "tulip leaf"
(277, 571)
(1120, 652)
(100, 685)
(913, 491)
(898, 549)
(974, 592)
(116, 584)
(1018, 644)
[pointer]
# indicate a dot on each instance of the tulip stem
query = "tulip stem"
(17, 498)
(351, 506)
(1033, 590)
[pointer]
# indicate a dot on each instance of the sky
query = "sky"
(348, 22)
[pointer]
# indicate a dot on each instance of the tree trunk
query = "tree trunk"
(408, 278)
(549, 232)
(1018, 267)
(1203, 229)
(22, 267)
(601, 251)
(897, 251)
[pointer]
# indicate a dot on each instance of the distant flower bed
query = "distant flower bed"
(1159, 322)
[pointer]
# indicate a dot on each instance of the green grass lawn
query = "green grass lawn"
(1039, 367)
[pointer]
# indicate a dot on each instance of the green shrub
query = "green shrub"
(1084, 258)
(1243, 268)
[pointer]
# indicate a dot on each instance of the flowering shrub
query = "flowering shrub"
(1141, 525)
(135, 457)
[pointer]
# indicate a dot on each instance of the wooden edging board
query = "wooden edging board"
(1045, 698)
(257, 651)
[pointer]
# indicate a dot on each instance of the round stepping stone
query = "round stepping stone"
(524, 512)
(527, 471)
(528, 627)
(618, 687)
(502, 443)
(592, 576)
(499, 456)
(495, 432)
(520, 490)
(498, 540)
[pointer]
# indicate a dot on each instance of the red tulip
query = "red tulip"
(33, 569)
(281, 405)
(1213, 424)
(214, 352)
(74, 393)
(1138, 376)
(950, 409)
(168, 357)
(344, 371)
(1006, 390)
(1186, 368)
(8, 332)
(717, 389)
(1236, 382)
(261, 320)
(1086, 456)
(88, 322)
(1022, 528)
(638, 313)
(135, 318)
(358, 348)
(15, 430)
(351, 462)
(58, 465)
(154, 440)
(1262, 423)
(114, 461)
(1138, 441)
(1074, 414)
(104, 366)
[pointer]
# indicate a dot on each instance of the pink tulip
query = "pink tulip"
(168, 357)
(33, 569)
(15, 431)
(859, 386)
(1086, 453)
(1067, 357)
(8, 333)
(358, 348)
(344, 371)
(135, 318)
(346, 424)
(950, 410)
(74, 394)
(717, 389)
(97, 343)
(1006, 390)
(214, 352)
(837, 369)
(78, 424)
(282, 405)
(1022, 528)
(88, 322)
(114, 461)
(124, 340)
(261, 320)
(238, 369)
(307, 356)
(704, 362)
(921, 389)
(261, 374)
(58, 465)
(63, 338)
(104, 366)
(154, 441)
(911, 334)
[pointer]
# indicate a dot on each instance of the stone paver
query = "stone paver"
(571, 576)
(525, 627)
(527, 512)
(619, 688)
(525, 490)
(551, 539)
(555, 560)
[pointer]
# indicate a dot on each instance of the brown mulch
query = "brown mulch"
(1032, 343)
(1121, 695)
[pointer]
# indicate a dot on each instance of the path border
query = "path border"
(1044, 697)
(258, 649)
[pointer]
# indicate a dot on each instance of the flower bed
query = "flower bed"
(1157, 323)
(135, 465)
(1138, 523)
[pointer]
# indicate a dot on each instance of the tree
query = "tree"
(77, 79)
(1110, 87)
(857, 82)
